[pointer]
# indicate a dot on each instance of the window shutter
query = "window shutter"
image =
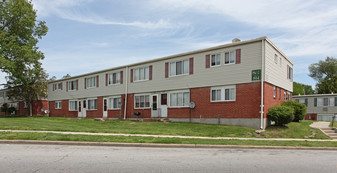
(207, 61)
(191, 65)
(131, 75)
(97, 81)
(238, 56)
(166, 69)
(315, 102)
(53, 87)
(77, 84)
(150, 71)
(121, 76)
(106, 79)
(306, 102)
(67, 86)
(287, 71)
(61, 85)
(335, 101)
(85, 83)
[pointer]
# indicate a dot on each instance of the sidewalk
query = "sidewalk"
(170, 136)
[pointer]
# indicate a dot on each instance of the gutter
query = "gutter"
(126, 91)
(262, 80)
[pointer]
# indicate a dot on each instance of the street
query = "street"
(63, 158)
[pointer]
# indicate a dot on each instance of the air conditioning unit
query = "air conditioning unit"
(325, 109)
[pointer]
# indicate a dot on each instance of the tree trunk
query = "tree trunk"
(30, 109)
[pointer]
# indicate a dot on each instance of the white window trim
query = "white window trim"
(56, 86)
(69, 85)
(177, 91)
(183, 74)
(144, 67)
(276, 59)
(86, 82)
(145, 94)
(76, 105)
(274, 92)
(112, 79)
(88, 104)
(229, 57)
(25, 105)
(223, 88)
(210, 60)
(59, 103)
(113, 97)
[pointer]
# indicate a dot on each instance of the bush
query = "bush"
(11, 109)
(281, 115)
(299, 110)
(4, 108)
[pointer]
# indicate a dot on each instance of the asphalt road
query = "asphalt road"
(63, 158)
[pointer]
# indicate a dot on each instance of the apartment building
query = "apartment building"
(321, 107)
(38, 107)
(232, 84)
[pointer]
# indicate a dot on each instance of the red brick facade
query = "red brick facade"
(37, 107)
(246, 105)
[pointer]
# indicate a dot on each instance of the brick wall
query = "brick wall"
(269, 99)
(98, 113)
(64, 112)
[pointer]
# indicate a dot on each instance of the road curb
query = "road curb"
(115, 144)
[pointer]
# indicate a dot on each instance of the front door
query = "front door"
(105, 108)
(154, 108)
(163, 105)
(82, 108)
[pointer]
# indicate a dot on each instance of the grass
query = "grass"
(131, 139)
(334, 124)
(292, 130)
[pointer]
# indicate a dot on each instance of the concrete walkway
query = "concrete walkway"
(324, 127)
(168, 136)
(320, 125)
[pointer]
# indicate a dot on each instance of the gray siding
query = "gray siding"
(319, 109)
(276, 73)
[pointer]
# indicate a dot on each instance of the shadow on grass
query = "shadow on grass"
(20, 116)
(274, 127)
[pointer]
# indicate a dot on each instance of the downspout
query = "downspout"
(126, 91)
(262, 79)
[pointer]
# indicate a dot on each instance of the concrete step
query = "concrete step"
(327, 128)
(329, 131)
(332, 134)
(333, 137)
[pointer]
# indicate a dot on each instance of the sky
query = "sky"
(91, 35)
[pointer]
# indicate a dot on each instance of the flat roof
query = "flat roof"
(316, 95)
(178, 55)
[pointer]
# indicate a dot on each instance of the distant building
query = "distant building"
(232, 84)
(21, 107)
(320, 107)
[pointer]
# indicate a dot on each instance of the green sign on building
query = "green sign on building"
(256, 75)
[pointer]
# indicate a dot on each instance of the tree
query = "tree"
(32, 87)
(66, 76)
(19, 35)
(325, 73)
(302, 89)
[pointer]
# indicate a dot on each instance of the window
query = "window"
(315, 102)
(179, 68)
(215, 60)
(142, 101)
(72, 105)
(303, 101)
(115, 103)
(280, 62)
(230, 57)
(58, 104)
(58, 86)
(226, 93)
(289, 96)
(141, 74)
(325, 102)
(180, 99)
(274, 92)
(279, 91)
(331, 101)
(285, 96)
(15, 105)
(275, 59)
(91, 82)
(72, 85)
(290, 73)
(2, 94)
(92, 104)
(114, 78)
(25, 105)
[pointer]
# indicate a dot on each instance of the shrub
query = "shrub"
(4, 108)
(11, 110)
(299, 110)
(281, 115)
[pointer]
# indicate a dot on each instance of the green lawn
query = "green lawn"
(334, 124)
(292, 130)
(131, 139)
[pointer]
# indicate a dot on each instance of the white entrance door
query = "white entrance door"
(154, 108)
(163, 105)
(82, 108)
(105, 108)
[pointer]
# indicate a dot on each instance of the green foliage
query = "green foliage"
(299, 110)
(302, 89)
(281, 115)
(4, 108)
(11, 110)
(325, 73)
